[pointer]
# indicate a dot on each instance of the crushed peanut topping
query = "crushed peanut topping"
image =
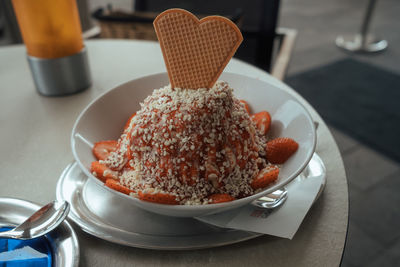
(190, 144)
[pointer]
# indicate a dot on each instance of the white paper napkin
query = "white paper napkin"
(283, 221)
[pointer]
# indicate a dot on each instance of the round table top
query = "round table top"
(34, 150)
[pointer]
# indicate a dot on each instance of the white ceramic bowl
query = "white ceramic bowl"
(104, 118)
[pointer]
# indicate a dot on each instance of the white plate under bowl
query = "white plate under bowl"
(104, 118)
(105, 215)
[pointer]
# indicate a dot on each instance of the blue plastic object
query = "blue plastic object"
(25, 253)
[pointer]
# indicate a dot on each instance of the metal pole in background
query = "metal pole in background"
(363, 42)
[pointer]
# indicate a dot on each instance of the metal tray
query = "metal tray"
(103, 214)
(63, 240)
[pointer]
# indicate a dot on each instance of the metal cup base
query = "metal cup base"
(61, 76)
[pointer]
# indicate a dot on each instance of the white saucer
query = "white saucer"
(102, 214)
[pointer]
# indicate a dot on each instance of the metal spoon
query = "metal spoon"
(272, 200)
(40, 223)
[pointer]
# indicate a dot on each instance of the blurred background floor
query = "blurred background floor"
(320, 22)
(373, 177)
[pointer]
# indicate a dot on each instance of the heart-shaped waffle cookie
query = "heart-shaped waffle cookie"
(195, 51)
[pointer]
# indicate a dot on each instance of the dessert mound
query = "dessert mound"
(189, 144)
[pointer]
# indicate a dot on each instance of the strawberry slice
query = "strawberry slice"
(265, 177)
(220, 198)
(246, 105)
(262, 120)
(102, 172)
(160, 198)
(114, 184)
(279, 150)
(129, 121)
(101, 150)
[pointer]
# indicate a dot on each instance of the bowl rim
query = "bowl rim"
(210, 206)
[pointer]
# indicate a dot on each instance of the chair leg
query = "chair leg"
(281, 62)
